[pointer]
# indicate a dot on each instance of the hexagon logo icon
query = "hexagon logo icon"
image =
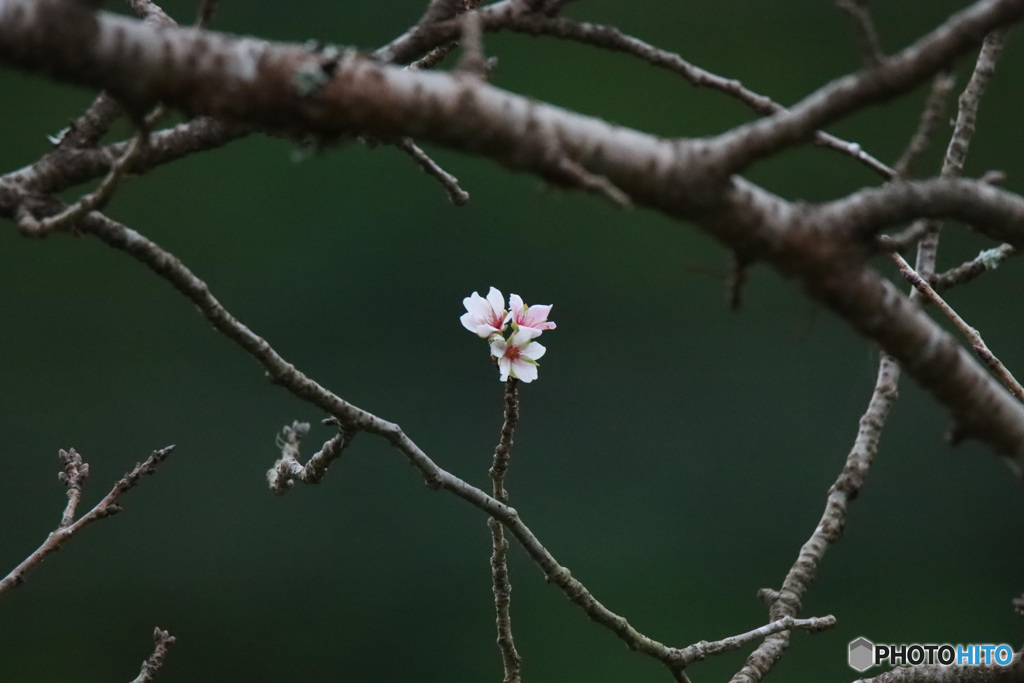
(862, 654)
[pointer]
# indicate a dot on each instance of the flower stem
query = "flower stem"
(499, 566)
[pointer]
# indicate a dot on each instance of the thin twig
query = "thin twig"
(281, 372)
(287, 470)
(704, 649)
(905, 238)
(76, 471)
(931, 117)
(987, 260)
(864, 28)
(90, 126)
(151, 667)
(977, 343)
(443, 9)
(73, 474)
(611, 38)
(67, 218)
(501, 585)
(434, 57)
(787, 601)
(959, 142)
(456, 194)
(95, 121)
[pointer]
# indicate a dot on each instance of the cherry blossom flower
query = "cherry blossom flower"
(485, 317)
(531, 319)
(518, 356)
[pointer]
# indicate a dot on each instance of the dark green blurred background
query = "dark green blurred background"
(674, 455)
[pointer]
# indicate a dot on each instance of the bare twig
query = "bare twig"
(76, 471)
(281, 372)
(931, 117)
(704, 649)
(473, 61)
(989, 259)
(971, 334)
(904, 238)
(864, 28)
(501, 585)
(765, 137)
(93, 124)
(963, 131)
(434, 57)
(287, 470)
(611, 38)
(65, 168)
(456, 194)
(67, 218)
(73, 474)
(151, 667)
(787, 601)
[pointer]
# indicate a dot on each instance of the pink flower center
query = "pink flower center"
(512, 353)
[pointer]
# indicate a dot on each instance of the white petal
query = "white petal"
(498, 347)
(477, 306)
(522, 337)
(533, 350)
(515, 303)
(504, 366)
(496, 299)
(530, 332)
(526, 372)
(538, 316)
(468, 321)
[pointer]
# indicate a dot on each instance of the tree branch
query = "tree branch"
(500, 583)
(787, 601)
(151, 667)
(74, 474)
(897, 74)
(685, 179)
(977, 343)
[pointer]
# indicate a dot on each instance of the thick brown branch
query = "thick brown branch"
(994, 212)
(268, 84)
